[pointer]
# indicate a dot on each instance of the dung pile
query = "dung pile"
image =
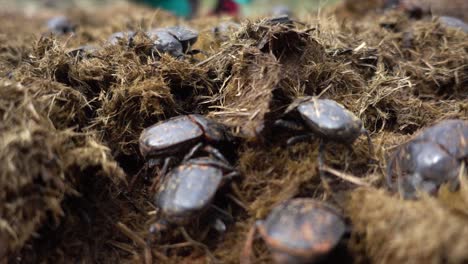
(73, 183)
(392, 230)
(42, 162)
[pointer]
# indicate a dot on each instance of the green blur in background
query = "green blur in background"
(180, 8)
(255, 8)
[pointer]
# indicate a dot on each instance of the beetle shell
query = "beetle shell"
(165, 42)
(280, 20)
(451, 134)
(302, 230)
(188, 190)
(330, 120)
(169, 136)
(281, 10)
(60, 25)
(431, 158)
(179, 134)
(453, 22)
(214, 132)
(424, 167)
(187, 36)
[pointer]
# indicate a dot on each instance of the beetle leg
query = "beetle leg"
(219, 164)
(232, 175)
(389, 175)
(321, 165)
(369, 143)
(320, 158)
(167, 163)
(301, 138)
(143, 170)
(409, 190)
(196, 243)
(153, 163)
(247, 250)
(454, 184)
(192, 152)
(161, 174)
(291, 125)
(216, 153)
(349, 152)
(222, 213)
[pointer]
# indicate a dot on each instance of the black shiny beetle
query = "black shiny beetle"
(164, 42)
(176, 41)
(433, 157)
(299, 230)
(189, 188)
(187, 191)
(182, 135)
(185, 35)
(328, 120)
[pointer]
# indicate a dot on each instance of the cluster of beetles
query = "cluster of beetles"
(188, 150)
(175, 41)
(300, 230)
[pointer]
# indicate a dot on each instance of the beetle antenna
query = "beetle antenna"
(216, 153)
(247, 250)
(223, 214)
(320, 159)
(143, 170)
(192, 152)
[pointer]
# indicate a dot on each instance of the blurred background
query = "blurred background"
(255, 7)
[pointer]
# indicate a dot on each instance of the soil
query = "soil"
(70, 187)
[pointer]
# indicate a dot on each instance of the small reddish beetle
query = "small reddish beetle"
(300, 230)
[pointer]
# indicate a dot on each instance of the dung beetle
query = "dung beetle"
(300, 230)
(189, 188)
(433, 157)
(185, 35)
(328, 120)
(187, 192)
(175, 41)
(60, 25)
(182, 135)
(164, 42)
(454, 23)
